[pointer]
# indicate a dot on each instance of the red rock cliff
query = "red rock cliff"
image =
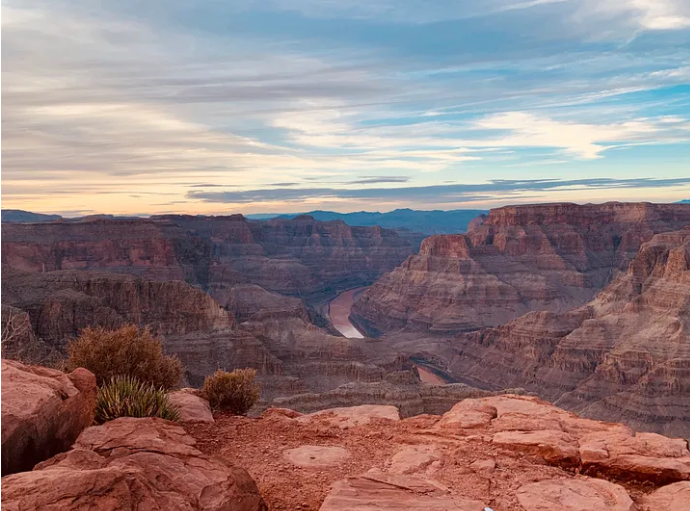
(300, 256)
(625, 356)
(549, 257)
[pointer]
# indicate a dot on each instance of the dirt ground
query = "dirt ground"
(468, 466)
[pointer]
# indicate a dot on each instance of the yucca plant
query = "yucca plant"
(125, 396)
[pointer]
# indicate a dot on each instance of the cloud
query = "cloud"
(650, 14)
(646, 14)
(110, 107)
(586, 141)
(210, 185)
(379, 179)
(433, 194)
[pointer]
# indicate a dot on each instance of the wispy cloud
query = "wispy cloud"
(449, 193)
(113, 106)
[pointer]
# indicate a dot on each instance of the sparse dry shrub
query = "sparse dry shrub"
(235, 392)
(127, 351)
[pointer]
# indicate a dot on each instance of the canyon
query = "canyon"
(299, 257)
(585, 306)
(516, 259)
(594, 317)
(624, 356)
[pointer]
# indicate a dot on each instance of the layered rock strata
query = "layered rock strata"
(298, 257)
(61, 303)
(625, 356)
(548, 257)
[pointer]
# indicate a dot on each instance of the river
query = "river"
(339, 312)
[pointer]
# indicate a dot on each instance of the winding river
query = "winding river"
(339, 312)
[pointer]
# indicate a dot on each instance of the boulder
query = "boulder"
(133, 464)
(641, 456)
(553, 446)
(468, 414)
(579, 494)
(43, 412)
(673, 497)
(191, 406)
(377, 490)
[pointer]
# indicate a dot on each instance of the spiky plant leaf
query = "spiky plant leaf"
(125, 396)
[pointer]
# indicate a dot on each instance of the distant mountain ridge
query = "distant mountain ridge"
(425, 222)
(19, 215)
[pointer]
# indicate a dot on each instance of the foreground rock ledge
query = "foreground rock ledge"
(133, 464)
(43, 412)
(508, 453)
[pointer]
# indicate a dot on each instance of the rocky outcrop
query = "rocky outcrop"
(548, 257)
(245, 300)
(297, 257)
(133, 464)
(506, 452)
(669, 498)
(190, 405)
(43, 412)
(61, 303)
(622, 357)
(410, 398)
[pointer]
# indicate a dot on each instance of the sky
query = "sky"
(227, 106)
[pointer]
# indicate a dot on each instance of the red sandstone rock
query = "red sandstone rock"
(622, 357)
(581, 494)
(43, 412)
(467, 414)
(316, 456)
(644, 456)
(553, 446)
(415, 464)
(520, 258)
(673, 497)
(346, 417)
(190, 406)
(380, 491)
(133, 464)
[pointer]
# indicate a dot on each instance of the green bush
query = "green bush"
(235, 392)
(125, 396)
(127, 351)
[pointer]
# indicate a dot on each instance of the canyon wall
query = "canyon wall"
(61, 303)
(548, 257)
(290, 354)
(297, 257)
(624, 356)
